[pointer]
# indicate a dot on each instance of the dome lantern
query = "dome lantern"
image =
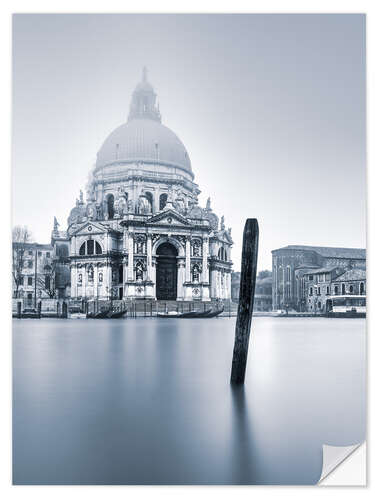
(143, 103)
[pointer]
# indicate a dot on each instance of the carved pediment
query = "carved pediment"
(90, 227)
(169, 218)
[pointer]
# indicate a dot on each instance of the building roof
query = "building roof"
(333, 252)
(321, 270)
(352, 275)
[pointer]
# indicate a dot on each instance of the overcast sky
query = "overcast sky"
(271, 109)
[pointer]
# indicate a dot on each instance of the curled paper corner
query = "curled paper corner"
(352, 470)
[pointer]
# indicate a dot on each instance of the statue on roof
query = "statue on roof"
(80, 196)
(55, 224)
(222, 225)
(208, 204)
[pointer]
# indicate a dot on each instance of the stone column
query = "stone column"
(109, 280)
(180, 279)
(125, 239)
(96, 291)
(157, 196)
(149, 257)
(187, 260)
(84, 280)
(204, 261)
(130, 259)
(124, 272)
(73, 281)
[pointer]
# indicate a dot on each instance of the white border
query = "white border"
(6, 9)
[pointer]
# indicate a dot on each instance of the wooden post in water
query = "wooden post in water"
(246, 300)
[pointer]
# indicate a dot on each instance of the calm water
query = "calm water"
(148, 401)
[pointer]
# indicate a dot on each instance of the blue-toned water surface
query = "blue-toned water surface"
(148, 401)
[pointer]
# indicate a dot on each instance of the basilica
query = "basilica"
(139, 232)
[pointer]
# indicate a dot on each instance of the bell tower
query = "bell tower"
(143, 103)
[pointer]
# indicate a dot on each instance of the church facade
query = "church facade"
(140, 233)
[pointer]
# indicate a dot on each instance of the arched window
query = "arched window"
(87, 248)
(162, 201)
(150, 199)
(47, 282)
(80, 278)
(351, 289)
(110, 206)
(361, 288)
(343, 289)
(100, 277)
(336, 290)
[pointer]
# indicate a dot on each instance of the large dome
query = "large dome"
(144, 140)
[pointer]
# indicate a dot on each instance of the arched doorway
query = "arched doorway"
(166, 272)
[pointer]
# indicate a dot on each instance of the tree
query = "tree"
(21, 237)
(46, 279)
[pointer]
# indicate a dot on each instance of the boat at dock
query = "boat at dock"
(98, 315)
(117, 314)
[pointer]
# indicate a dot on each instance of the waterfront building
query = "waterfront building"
(32, 272)
(140, 233)
(293, 265)
(318, 287)
(324, 284)
(351, 282)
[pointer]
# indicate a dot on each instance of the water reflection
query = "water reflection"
(147, 401)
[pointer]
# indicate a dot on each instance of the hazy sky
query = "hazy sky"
(271, 109)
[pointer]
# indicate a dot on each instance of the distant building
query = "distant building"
(263, 294)
(298, 268)
(35, 273)
(235, 285)
(318, 287)
(352, 282)
(263, 290)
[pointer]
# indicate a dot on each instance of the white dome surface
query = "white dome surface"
(144, 140)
